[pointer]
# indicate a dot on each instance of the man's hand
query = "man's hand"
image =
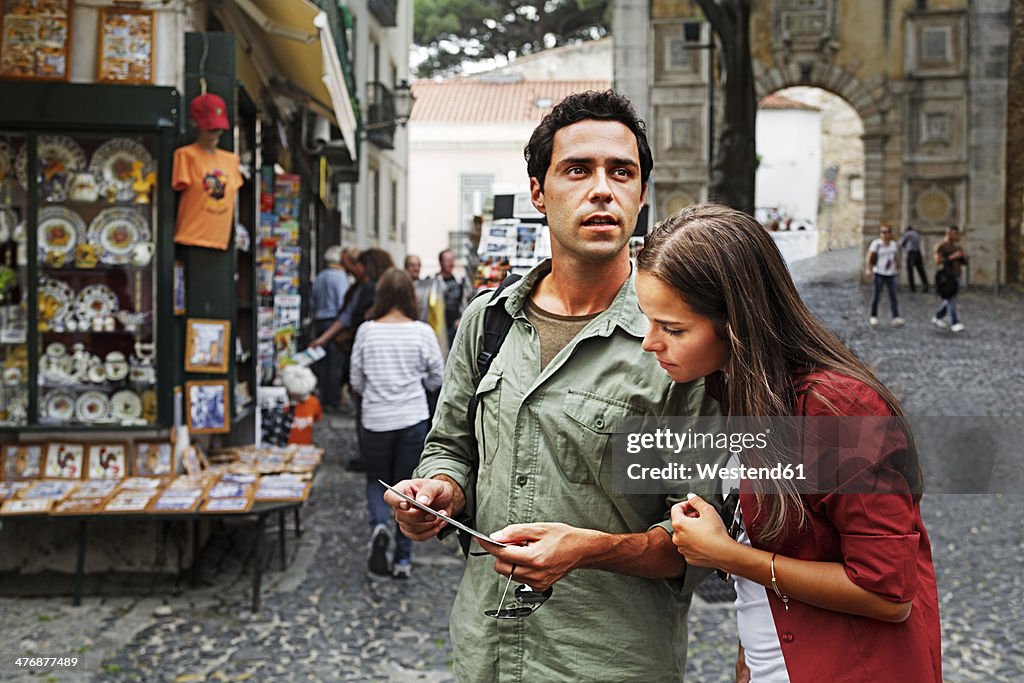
(442, 494)
(542, 553)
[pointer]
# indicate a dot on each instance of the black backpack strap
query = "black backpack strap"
(497, 323)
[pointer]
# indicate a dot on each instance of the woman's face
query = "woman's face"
(684, 343)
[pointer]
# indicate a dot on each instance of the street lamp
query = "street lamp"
(403, 102)
(691, 38)
(387, 109)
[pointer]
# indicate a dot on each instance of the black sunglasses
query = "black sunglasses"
(525, 600)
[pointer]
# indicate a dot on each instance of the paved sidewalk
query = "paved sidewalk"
(324, 620)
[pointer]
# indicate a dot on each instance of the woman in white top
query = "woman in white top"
(883, 267)
(395, 360)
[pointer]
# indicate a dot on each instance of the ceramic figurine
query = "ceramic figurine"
(83, 188)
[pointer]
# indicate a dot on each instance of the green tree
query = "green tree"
(453, 31)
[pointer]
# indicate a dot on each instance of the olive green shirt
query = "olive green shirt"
(545, 456)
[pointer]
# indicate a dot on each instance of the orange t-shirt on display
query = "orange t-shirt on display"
(209, 183)
(306, 413)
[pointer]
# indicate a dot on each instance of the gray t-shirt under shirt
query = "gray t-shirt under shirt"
(554, 331)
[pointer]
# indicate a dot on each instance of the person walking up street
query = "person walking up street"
(910, 243)
(328, 296)
(884, 265)
(395, 361)
(950, 258)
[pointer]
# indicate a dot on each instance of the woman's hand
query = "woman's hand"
(699, 534)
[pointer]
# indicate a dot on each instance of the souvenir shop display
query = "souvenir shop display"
(126, 45)
(96, 284)
(35, 42)
(279, 265)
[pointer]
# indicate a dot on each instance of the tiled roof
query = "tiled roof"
(780, 102)
(479, 101)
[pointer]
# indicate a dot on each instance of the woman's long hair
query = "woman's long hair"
(727, 268)
(394, 290)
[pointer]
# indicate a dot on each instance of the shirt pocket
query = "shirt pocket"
(488, 416)
(590, 422)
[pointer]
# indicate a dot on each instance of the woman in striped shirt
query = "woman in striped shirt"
(395, 361)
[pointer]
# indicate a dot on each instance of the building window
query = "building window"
(394, 210)
(935, 44)
(856, 188)
(374, 204)
(475, 193)
(346, 207)
(936, 127)
(679, 56)
(458, 242)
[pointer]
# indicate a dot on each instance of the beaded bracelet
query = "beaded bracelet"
(775, 586)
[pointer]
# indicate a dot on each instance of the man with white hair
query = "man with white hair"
(329, 289)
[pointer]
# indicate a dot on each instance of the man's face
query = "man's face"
(412, 266)
(953, 235)
(885, 233)
(447, 263)
(593, 190)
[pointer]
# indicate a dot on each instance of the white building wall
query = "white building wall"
(789, 175)
(440, 154)
(391, 165)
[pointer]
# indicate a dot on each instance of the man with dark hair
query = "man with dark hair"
(950, 258)
(455, 290)
(535, 468)
(910, 243)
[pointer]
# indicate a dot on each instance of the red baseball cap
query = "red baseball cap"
(209, 112)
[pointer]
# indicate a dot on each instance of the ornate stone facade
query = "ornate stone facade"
(928, 80)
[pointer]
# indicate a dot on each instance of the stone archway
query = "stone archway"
(876, 111)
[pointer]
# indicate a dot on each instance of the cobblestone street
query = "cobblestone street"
(322, 619)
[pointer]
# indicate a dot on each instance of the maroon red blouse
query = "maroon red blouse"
(881, 541)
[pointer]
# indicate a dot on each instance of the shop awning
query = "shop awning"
(289, 45)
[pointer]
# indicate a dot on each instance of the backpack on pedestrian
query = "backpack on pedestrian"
(946, 284)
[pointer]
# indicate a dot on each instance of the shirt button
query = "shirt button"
(521, 480)
(787, 637)
(599, 422)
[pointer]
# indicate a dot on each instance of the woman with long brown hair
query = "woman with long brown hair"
(833, 584)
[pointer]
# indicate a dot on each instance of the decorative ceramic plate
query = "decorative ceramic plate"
(92, 406)
(125, 404)
(55, 299)
(59, 158)
(95, 301)
(118, 164)
(56, 350)
(118, 229)
(58, 405)
(60, 230)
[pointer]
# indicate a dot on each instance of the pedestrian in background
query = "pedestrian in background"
(910, 243)
(455, 290)
(328, 296)
(835, 581)
(412, 267)
(395, 361)
(950, 258)
(883, 265)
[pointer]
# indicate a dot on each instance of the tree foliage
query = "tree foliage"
(453, 31)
